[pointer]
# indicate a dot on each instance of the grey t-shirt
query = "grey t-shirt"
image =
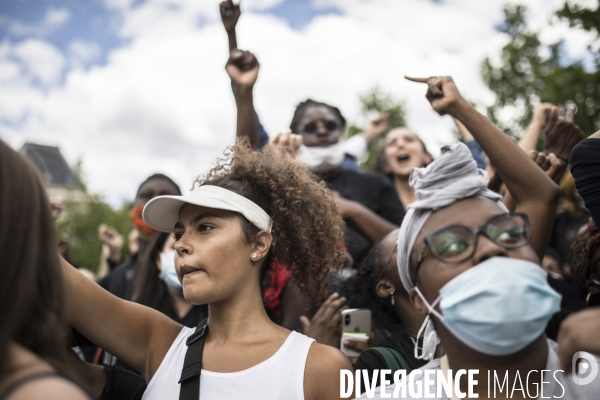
(556, 385)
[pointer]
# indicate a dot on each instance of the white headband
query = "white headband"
(162, 212)
(453, 176)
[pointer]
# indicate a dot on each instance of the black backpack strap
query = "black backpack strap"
(192, 364)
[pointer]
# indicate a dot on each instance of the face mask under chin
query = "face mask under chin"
(323, 159)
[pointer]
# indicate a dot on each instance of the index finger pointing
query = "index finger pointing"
(420, 80)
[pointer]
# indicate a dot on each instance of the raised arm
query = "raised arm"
(242, 67)
(524, 179)
(230, 13)
(136, 334)
(541, 115)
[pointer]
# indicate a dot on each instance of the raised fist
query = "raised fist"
(230, 13)
(242, 67)
(441, 93)
(377, 126)
(562, 135)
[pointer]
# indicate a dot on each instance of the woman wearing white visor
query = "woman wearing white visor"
(252, 207)
(474, 270)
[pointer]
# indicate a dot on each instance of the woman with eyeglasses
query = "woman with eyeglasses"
(473, 270)
(252, 208)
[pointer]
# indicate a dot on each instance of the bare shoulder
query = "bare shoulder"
(49, 388)
(322, 373)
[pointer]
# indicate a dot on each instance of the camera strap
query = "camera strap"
(192, 364)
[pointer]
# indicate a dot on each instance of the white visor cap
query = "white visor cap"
(162, 212)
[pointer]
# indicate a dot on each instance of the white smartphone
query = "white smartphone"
(356, 325)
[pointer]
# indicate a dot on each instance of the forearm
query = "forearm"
(122, 328)
(523, 178)
(531, 136)
(371, 224)
(247, 125)
(232, 39)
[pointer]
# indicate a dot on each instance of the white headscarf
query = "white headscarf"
(451, 177)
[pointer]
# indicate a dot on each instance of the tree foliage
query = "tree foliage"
(80, 222)
(373, 102)
(530, 72)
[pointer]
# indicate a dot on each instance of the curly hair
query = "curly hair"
(307, 225)
(582, 251)
(301, 108)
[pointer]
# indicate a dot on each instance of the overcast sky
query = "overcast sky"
(136, 87)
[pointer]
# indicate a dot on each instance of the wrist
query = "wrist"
(458, 108)
(242, 91)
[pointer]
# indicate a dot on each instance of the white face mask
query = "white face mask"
(168, 273)
(323, 159)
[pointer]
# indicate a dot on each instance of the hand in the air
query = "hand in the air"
(441, 93)
(562, 135)
(242, 67)
(552, 165)
(377, 126)
(112, 240)
(288, 144)
(230, 13)
(543, 113)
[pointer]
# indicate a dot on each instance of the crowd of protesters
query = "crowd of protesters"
(487, 257)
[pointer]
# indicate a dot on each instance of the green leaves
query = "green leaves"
(529, 73)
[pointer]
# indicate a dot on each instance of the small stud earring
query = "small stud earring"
(393, 300)
(254, 256)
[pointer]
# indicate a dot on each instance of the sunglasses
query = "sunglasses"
(457, 243)
(330, 126)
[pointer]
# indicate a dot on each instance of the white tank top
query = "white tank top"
(279, 377)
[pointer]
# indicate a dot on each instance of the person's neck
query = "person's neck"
(410, 317)
(182, 307)
(240, 317)
(406, 194)
(532, 358)
(329, 174)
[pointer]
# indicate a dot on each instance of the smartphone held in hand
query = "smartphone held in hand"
(356, 326)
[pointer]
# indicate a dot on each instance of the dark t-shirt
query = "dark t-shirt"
(585, 167)
(372, 191)
(370, 360)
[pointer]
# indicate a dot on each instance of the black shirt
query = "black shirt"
(585, 167)
(370, 360)
(372, 191)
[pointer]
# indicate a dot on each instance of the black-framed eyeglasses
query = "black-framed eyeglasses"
(457, 243)
(330, 126)
(387, 264)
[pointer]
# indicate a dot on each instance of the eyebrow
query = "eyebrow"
(193, 220)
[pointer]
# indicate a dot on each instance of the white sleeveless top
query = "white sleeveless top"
(279, 377)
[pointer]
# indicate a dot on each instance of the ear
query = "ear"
(262, 244)
(384, 288)
(417, 301)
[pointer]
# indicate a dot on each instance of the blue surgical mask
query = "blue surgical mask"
(168, 274)
(498, 307)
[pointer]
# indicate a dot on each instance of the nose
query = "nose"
(486, 249)
(321, 129)
(182, 246)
